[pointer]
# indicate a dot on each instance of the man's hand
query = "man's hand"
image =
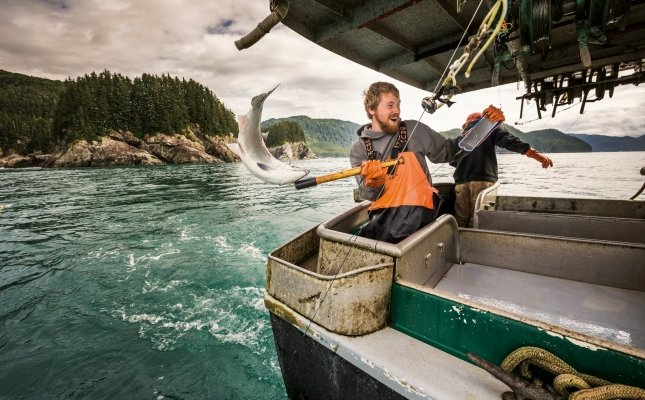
(373, 173)
(541, 158)
(494, 114)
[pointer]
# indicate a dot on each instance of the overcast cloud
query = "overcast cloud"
(194, 39)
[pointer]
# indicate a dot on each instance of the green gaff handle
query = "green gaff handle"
(317, 180)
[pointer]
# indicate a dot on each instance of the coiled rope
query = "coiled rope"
(568, 382)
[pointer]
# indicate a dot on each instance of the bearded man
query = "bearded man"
(384, 137)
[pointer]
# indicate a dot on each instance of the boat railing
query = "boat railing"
(614, 208)
(596, 219)
(565, 225)
(597, 262)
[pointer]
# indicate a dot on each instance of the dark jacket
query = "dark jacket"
(481, 163)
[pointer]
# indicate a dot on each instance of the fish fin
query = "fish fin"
(235, 148)
(242, 120)
(264, 167)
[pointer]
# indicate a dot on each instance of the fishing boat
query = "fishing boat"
(358, 318)
(543, 298)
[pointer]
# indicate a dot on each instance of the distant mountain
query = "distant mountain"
(333, 137)
(552, 141)
(612, 143)
(546, 141)
(325, 137)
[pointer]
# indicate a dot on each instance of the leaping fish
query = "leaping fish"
(253, 152)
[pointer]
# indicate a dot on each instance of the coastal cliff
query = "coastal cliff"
(123, 148)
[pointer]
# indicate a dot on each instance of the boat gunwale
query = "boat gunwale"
(397, 250)
(356, 271)
(602, 242)
(326, 232)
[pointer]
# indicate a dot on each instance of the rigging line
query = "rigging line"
(492, 13)
(438, 168)
(446, 69)
(413, 129)
(499, 96)
(440, 81)
(574, 122)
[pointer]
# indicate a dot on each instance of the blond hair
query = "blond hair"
(373, 95)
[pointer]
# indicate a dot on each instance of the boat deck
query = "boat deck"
(609, 313)
(415, 367)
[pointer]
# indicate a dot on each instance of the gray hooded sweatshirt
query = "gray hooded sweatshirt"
(423, 141)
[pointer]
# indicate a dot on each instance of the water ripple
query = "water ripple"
(111, 278)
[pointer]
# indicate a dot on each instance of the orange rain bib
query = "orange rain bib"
(408, 186)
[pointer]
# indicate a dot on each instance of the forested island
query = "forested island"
(108, 119)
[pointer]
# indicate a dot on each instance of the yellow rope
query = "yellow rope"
(534, 353)
(563, 382)
(488, 21)
(588, 387)
(609, 392)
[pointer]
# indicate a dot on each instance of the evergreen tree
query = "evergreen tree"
(284, 131)
(90, 105)
(27, 105)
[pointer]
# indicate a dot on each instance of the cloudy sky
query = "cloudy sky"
(194, 39)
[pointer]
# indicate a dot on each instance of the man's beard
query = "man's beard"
(388, 126)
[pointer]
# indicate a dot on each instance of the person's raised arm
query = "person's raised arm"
(539, 157)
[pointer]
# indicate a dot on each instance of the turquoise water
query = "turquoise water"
(147, 282)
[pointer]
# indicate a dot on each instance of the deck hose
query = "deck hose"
(279, 10)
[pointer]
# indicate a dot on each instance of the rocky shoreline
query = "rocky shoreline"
(124, 149)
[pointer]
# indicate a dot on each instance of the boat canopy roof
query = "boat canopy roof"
(545, 44)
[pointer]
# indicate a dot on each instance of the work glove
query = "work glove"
(541, 158)
(373, 174)
(494, 114)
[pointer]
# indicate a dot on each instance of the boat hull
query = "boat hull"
(313, 371)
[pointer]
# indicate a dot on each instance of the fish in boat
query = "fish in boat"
(253, 152)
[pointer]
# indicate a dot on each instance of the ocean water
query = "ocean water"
(148, 282)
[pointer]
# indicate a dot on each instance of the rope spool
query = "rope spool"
(541, 14)
(535, 24)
